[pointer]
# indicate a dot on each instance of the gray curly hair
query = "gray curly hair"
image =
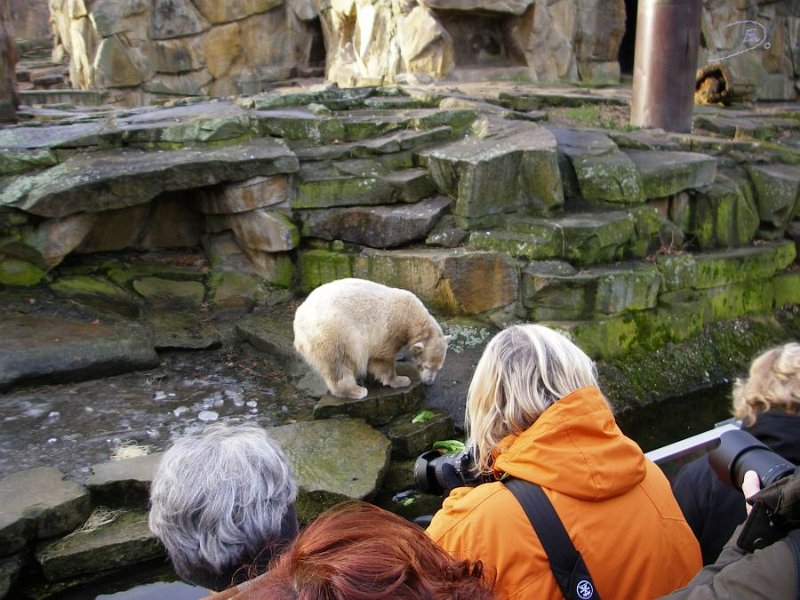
(218, 499)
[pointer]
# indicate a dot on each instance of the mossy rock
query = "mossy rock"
(16, 272)
(322, 266)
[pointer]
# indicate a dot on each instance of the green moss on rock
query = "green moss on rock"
(14, 271)
(321, 266)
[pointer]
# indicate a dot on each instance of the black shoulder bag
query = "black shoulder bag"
(565, 561)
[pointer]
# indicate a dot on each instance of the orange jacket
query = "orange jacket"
(616, 506)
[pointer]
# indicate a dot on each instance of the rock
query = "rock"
(410, 439)
(723, 214)
(10, 569)
(376, 227)
(380, 405)
(225, 12)
(123, 483)
(512, 7)
(120, 178)
(240, 197)
(514, 164)
(777, 189)
(260, 229)
(334, 460)
(38, 504)
(184, 330)
(454, 282)
(99, 293)
(584, 294)
(721, 267)
(39, 348)
(272, 332)
(115, 67)
(665, 172)
(162, 293)
(582, 238)
(126, 540)
(603, 172)
(9, 100)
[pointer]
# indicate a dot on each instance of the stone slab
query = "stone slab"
(38, 348)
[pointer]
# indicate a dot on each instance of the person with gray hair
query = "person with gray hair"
(537, 419)
(222, 503)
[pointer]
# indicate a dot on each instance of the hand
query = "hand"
(750, 485)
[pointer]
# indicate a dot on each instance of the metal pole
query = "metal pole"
(665, 63)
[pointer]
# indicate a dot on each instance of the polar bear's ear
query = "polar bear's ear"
(447, 339)
(417, 347)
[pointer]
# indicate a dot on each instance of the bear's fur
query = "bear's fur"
(350, 327)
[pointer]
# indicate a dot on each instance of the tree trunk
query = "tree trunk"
(9, 101)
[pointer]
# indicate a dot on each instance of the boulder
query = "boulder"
(38, 504)
(119, 540)
(513, 163)
(334, 460)
(41, 348)
(453, 282)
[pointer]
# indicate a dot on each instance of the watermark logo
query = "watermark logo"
(753, 36)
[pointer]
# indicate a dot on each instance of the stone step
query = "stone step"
(126, 540)
(62, 96)
(584, 238)
(359, 182)
(314, 126)
(376, 227)
(693, 290)
(380, 405)
(553, 290)
(665, 173)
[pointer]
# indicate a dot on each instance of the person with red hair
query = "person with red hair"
(357, 551)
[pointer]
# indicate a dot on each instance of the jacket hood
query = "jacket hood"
(780, 431)
(575, 447)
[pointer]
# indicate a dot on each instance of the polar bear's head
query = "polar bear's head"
(428, 354)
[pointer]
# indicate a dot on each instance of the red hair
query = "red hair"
(357, 551)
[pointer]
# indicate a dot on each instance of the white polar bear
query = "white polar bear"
(350, 327)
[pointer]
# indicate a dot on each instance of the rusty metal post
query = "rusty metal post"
(665, 63)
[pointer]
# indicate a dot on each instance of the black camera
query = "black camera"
(739, 452)
(435, 472)
(774, 507)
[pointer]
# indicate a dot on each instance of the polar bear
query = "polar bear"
(350, 327)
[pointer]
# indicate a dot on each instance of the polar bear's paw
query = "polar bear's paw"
(400, 381)
(354, 391)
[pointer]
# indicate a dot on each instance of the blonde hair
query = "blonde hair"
(523, 370)
(774, 382)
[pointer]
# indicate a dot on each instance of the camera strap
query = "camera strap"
(566, 562)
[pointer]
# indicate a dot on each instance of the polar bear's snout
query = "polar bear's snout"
(429, 357)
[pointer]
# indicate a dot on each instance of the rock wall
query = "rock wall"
(150, 50)
(757, 42)
(31, 19)
(631, 240)
(9, 100)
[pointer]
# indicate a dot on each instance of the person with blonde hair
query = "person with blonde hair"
(223, 503)
(768, 405)
(357, 551)
(535, 414)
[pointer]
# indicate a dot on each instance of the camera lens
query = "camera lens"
(739, 452)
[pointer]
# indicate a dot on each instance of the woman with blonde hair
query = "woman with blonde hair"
(768, 405)
(535, 413)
